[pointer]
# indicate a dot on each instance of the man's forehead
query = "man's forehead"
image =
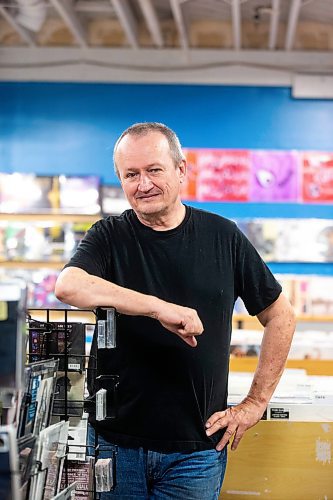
(151, 137)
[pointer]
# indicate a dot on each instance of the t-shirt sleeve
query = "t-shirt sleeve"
(93, 252)
(255, 283)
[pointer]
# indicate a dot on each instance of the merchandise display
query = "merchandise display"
(38, 396)
(291, 240)
(40, 437)
(50, 454)
(79, 194)
(21, 193)
(298, 397)
(308, 344)
(310, 295)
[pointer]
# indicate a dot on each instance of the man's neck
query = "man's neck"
(164, 221)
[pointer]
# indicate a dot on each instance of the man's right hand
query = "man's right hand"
(183, 321)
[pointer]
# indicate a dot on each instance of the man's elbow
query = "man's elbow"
(66, 287)
(63, 291)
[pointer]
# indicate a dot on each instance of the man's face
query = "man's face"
(149, 177)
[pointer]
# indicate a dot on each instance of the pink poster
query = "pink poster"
(317, 177)
(274, 176)
(222, 175)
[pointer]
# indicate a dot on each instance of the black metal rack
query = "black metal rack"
(47, 328)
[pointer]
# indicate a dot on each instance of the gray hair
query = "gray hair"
(140, 129)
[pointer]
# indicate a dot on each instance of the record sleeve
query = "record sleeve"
(49, 340)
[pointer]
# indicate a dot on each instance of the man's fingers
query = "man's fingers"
(215, 422)
(238, 436)
(192, 341)
(229, 432)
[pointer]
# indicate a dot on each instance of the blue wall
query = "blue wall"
(53, 128)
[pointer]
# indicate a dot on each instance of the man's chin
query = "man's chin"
(149, 208)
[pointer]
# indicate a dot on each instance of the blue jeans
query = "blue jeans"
(144, 474)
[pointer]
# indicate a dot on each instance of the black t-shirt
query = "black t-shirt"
(168, 389)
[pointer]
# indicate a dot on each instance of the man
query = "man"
(173, 274)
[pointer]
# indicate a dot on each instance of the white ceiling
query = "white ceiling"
(201, 41)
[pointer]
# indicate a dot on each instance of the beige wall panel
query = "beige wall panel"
(55, 32)
(314, 36)
(211, 34)
(106, 32)
(8, 36)
(282, 461)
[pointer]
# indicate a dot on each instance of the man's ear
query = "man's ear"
(182, 170)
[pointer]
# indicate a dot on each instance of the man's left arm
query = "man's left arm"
(279, 326)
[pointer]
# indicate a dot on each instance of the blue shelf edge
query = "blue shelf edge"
(245, 210)
(314, 268)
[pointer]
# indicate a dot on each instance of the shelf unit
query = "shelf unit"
(50, 216)
(252, 322)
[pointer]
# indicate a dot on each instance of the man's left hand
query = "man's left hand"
(237, 419)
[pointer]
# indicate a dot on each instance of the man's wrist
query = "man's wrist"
(155, 305)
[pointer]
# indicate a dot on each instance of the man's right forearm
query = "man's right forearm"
(80, 289)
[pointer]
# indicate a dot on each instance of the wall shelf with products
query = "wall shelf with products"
(250, 322)
(36, 264)
(59, 217)
(36, 246)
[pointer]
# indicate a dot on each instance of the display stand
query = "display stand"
(54, 339)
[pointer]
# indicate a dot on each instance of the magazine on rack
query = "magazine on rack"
(77, 437)
(69, 394)
(50, 454)
(38, 397)
(27, 447)
(68, 493)
(49, 340)
(83, 474)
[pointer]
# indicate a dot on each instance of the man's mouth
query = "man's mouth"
(146, 196)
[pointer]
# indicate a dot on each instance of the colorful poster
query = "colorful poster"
(317, 177)
(189, 186)
(220, 175)
(274, 176)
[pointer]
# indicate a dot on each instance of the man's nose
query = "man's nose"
(145, 184)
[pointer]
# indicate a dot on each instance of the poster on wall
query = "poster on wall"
(189, 186)
(218, 175)
(274, 176)
(317, 177)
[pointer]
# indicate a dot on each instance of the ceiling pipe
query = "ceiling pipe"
(31, 14)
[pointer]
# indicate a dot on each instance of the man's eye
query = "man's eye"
(154, 170)
(130, 174)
